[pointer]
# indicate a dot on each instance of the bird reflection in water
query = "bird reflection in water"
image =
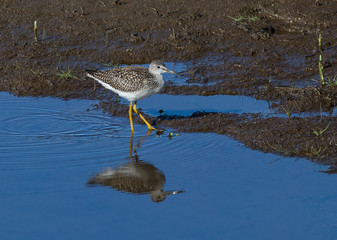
(137, 177)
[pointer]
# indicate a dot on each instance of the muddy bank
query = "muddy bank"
(268, 50)
(300, 137)
(238, 48)
(309, 137)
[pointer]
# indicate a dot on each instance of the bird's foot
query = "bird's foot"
(151, 129)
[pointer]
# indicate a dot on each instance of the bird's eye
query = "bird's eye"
(158, 66)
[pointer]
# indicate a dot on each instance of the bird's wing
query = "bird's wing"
(126, 79)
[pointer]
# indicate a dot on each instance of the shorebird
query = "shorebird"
(136, 176)
(133, 83)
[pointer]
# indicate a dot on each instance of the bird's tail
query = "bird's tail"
(90, 73)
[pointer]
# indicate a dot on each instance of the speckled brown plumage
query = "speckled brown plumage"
(127, 79)
(139, 177)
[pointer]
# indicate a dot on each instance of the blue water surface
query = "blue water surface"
(50, 148)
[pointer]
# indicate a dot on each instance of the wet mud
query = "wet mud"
(267, 50)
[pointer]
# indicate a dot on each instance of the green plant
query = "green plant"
(66, 74)
(320, 65)
(37, 72)
(320, 131)
(287, 111)
(276, 149)
(332, 82)
(35, 31)
(241, 18)
(252, 19)
(311, 151)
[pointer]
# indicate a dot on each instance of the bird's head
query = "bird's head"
(158, 67)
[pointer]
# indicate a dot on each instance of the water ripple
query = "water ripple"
(33, 129)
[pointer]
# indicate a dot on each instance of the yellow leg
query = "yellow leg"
(130, 116)
(131, 147)
(140, 115)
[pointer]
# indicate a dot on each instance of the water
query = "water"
(49, 149)
(186, 105)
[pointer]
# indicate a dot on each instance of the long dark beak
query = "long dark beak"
(173, 192)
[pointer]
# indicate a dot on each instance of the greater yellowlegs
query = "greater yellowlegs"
(133, 83)
(136, 177)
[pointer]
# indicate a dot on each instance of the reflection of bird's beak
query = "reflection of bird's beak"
(173, 192)
(169, 71)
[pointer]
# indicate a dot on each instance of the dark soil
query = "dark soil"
(265, 49)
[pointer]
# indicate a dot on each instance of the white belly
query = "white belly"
(134, 96)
